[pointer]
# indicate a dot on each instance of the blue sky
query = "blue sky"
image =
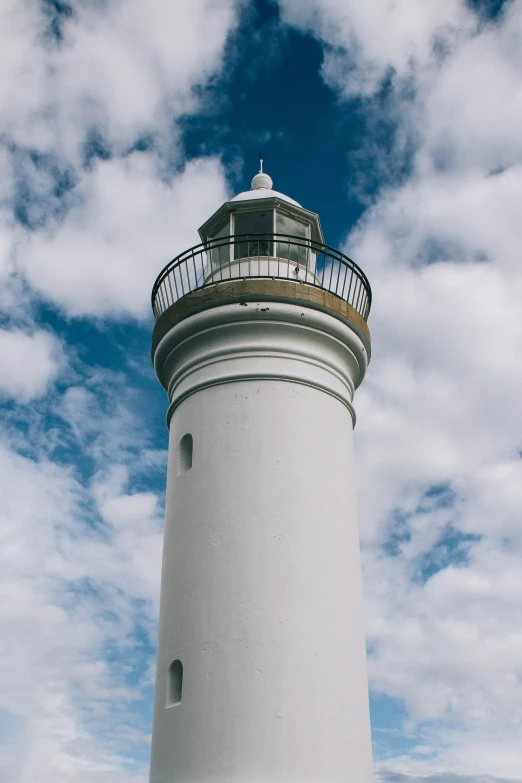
(122, 130)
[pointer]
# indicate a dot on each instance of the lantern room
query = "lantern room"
(263, 225)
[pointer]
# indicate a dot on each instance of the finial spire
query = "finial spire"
(262, 180)
(261, 161)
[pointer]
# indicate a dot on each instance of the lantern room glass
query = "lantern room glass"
(297, 252)
(261, 234)
(221, 254)
(252, 223)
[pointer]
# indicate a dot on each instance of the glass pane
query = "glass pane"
(292, 227)
(220, 255)
(259, 222)
(222, 231)
(288, 225)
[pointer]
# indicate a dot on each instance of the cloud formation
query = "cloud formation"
(103, 257)
(28, 363)
(73, 595)
(93, 171)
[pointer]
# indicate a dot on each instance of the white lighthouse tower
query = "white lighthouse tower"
(260, 341)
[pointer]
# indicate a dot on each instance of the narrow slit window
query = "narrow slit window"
(175, 683)
(185, 454)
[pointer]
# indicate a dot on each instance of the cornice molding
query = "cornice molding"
(245, 341)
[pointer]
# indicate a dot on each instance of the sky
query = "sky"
(123, 127)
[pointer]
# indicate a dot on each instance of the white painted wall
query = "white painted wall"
(261, 585)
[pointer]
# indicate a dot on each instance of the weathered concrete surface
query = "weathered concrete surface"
(259, 290)
(261, 591)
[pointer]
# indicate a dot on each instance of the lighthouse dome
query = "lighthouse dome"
(251, 195)
(262, 187)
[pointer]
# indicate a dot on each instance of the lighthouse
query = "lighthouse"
(260, 341)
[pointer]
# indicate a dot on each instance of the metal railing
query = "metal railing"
(272, 256)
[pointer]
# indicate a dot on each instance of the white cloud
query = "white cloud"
(81, 88)
(104, 256)
(115, 67)
(367, 41)
(28, 363)
(474, 106)
(75, 584)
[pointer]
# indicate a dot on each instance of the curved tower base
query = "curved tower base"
(261, 671)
